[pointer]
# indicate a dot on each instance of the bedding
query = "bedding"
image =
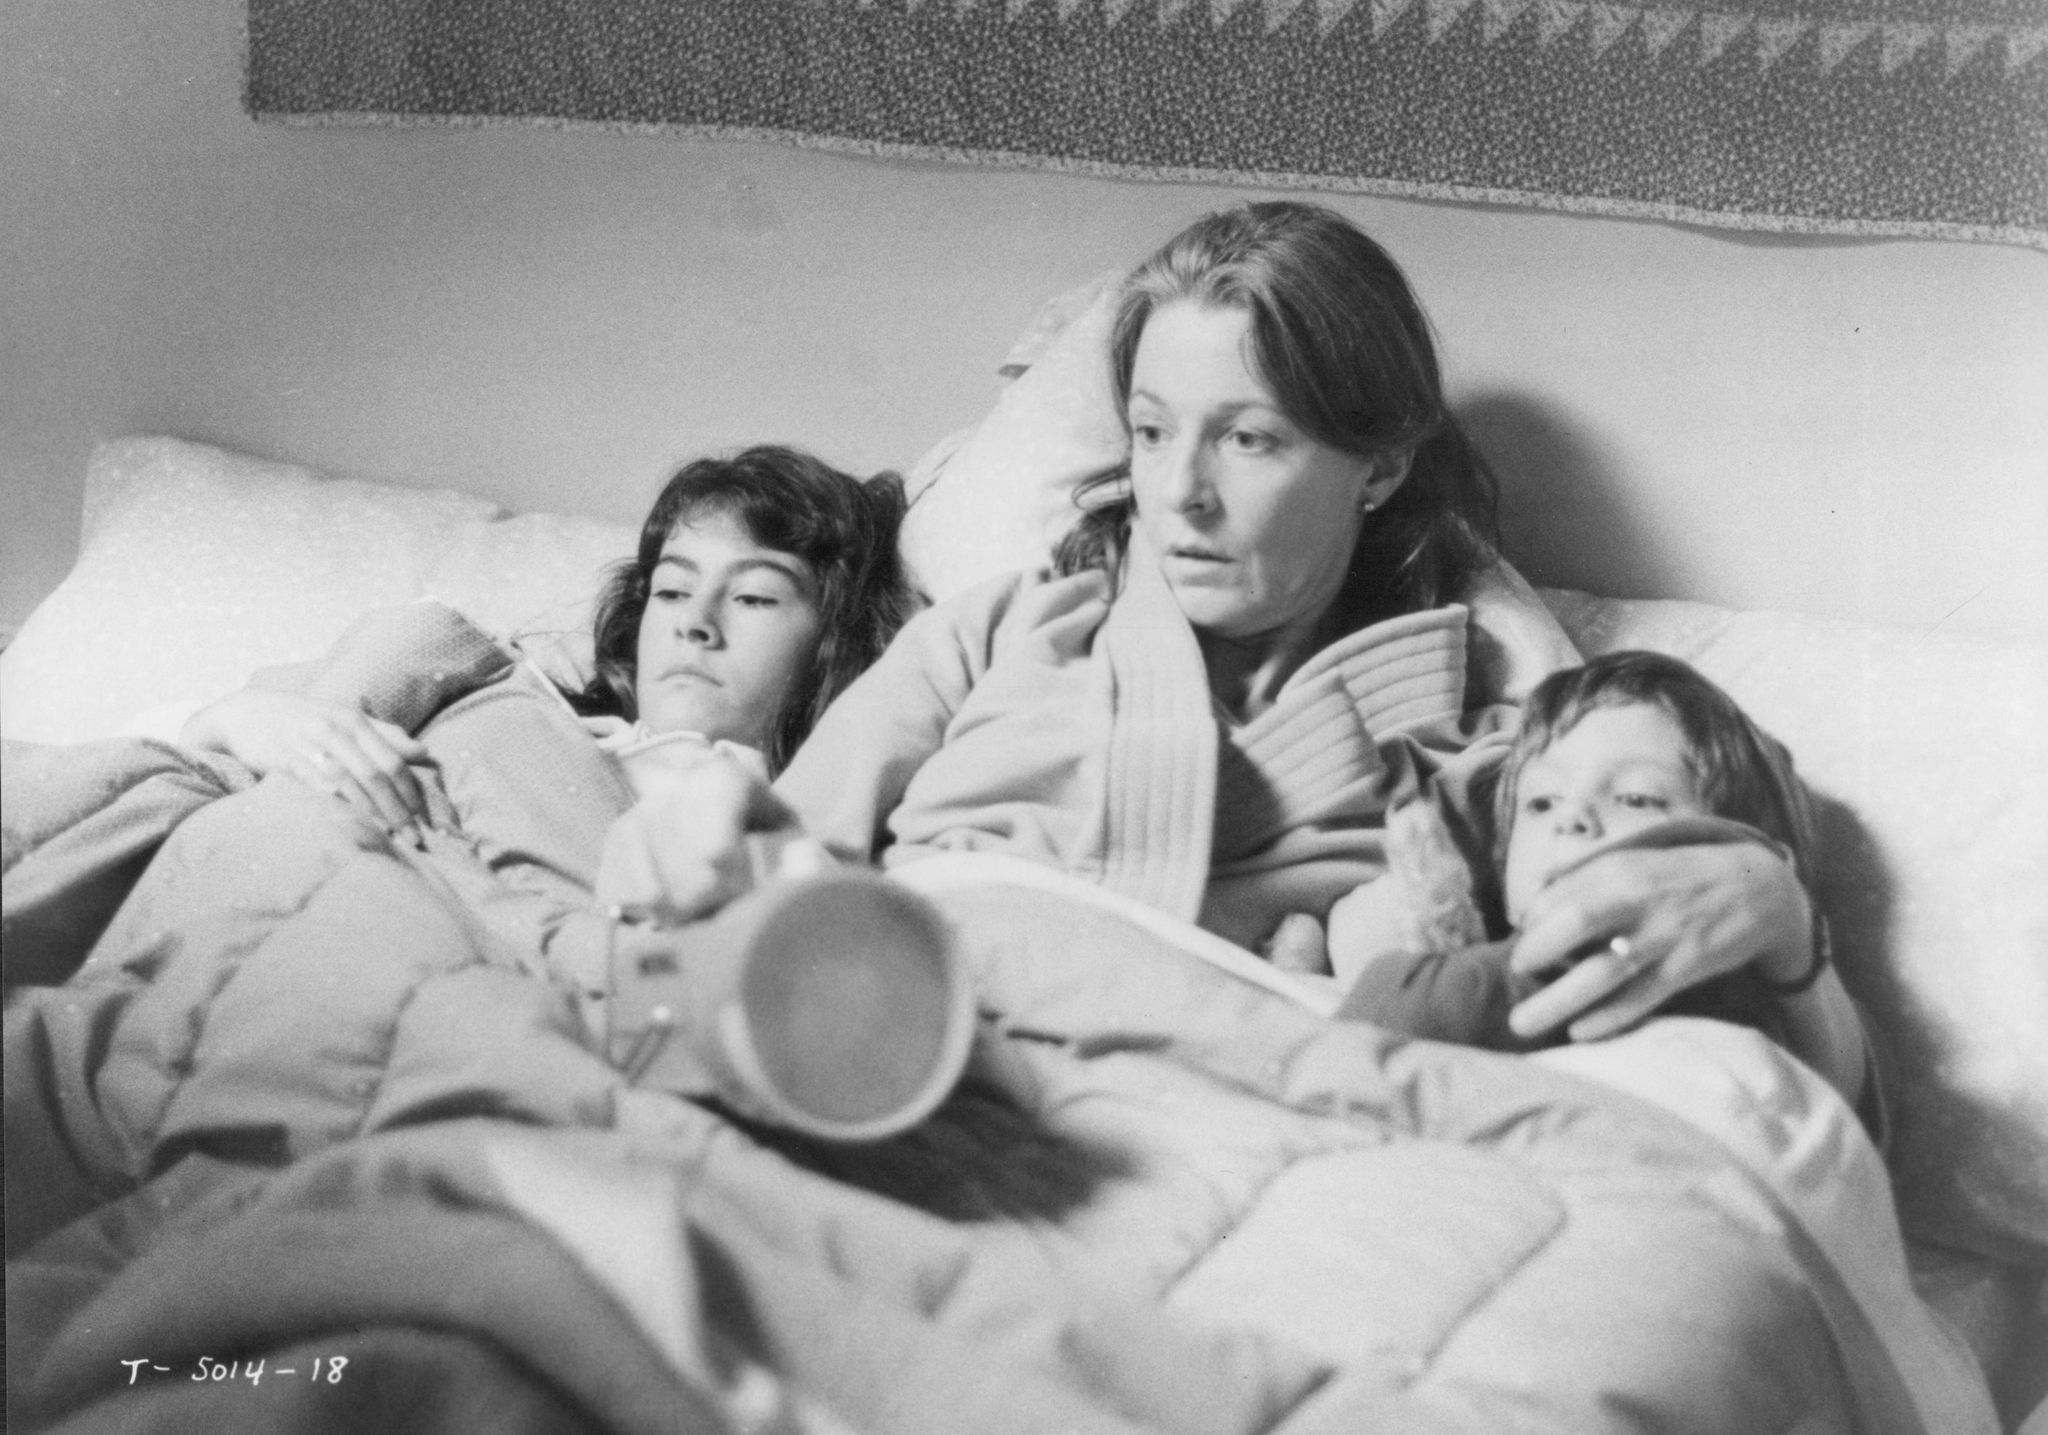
(505, 1157)
(333, 1098)
(198, 566)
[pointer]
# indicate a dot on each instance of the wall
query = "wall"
(551, 317)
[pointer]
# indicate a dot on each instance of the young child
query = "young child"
(1632, 749)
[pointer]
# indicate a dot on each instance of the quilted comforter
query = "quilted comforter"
(318, 1138)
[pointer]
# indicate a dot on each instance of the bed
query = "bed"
(310, 1150)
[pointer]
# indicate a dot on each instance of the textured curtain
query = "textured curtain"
(1901, 117)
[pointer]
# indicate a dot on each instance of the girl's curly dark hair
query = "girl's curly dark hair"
(844, 528)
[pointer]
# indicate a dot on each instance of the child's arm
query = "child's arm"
(328, 746)
(1462, 996)
(702, 833)
(1424, 902)
(343, 723)
(1409, 948)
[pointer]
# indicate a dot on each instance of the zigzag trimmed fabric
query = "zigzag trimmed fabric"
(1858, 117)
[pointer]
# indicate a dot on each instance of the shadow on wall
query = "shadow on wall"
(1568, 515)
(1854, 886)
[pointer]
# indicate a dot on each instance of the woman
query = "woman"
(1245, 654)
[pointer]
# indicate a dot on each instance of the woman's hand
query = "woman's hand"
(1660, 921)
(329, 747)
(693, 844)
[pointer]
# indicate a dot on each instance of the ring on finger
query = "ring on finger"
(1626, 957)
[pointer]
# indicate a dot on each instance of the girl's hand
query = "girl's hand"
(329, 747)
(682, 852)
(1658, 922)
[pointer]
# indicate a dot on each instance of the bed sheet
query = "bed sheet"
(336, 1096)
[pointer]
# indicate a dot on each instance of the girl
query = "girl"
(763, 584)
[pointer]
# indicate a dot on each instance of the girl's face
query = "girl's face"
(1252, 520)
(1617, 770)
(729, 631)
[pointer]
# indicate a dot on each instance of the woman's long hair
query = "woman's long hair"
(845, 529)
(1339, 338)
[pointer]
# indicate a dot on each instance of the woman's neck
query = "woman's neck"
(1247, 674)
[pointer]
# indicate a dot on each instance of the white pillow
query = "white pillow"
(1004, 496)
(529, 576)
(1929, 753)
(198, 566)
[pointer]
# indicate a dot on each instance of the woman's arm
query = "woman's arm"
(1825, 1031)
(1666, 919)
(855, 766)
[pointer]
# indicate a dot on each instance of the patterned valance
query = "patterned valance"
(1885, 117)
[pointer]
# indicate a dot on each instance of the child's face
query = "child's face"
(1615, 771)
(729, 630)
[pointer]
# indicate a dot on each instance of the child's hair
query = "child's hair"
(1742, 772)
(845, 529)
(1339, 338)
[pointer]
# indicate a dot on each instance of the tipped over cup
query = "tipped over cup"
(833, 1004)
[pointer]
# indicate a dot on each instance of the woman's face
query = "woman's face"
(730, 629)
(1252, 520)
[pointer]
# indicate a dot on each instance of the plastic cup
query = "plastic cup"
(831, 1004)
